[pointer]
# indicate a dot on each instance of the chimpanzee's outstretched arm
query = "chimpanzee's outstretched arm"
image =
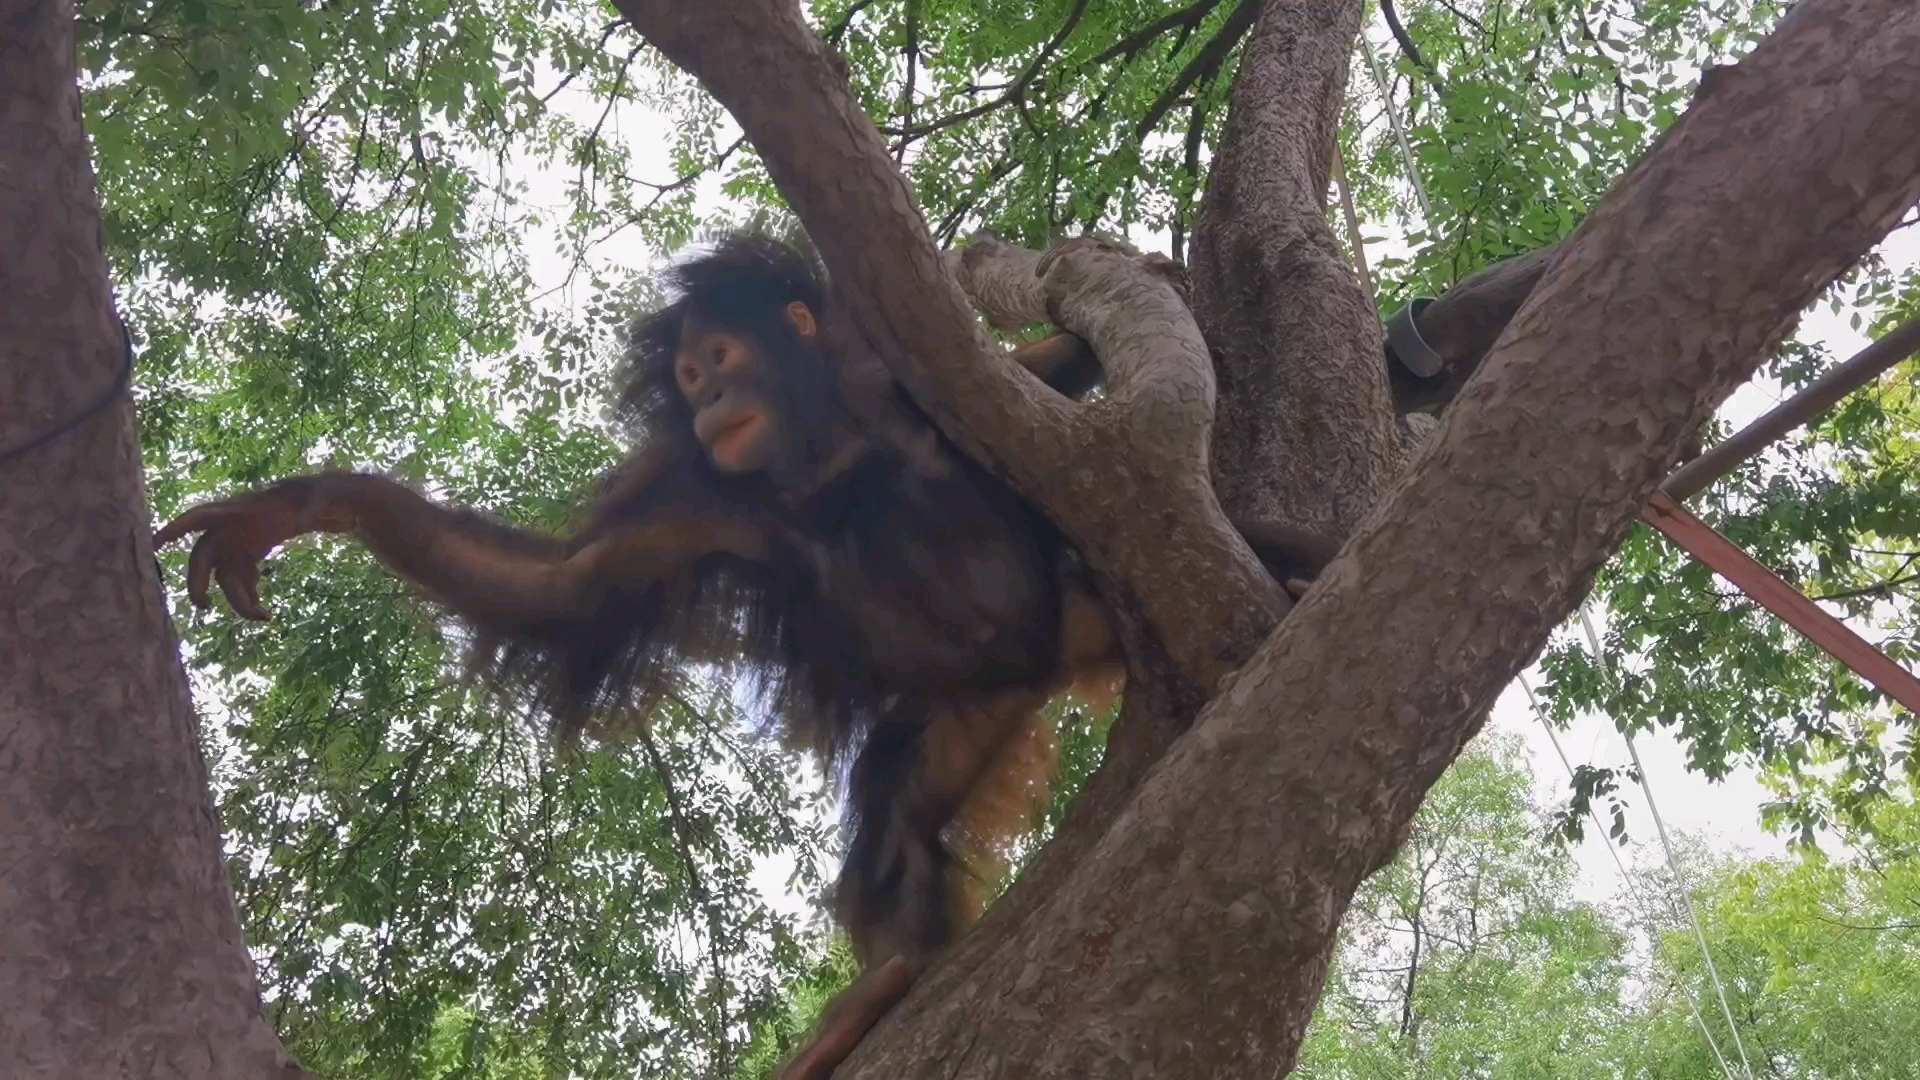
(494, 574)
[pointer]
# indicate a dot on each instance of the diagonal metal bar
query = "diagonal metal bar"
(1725, 558)
(1817, 397)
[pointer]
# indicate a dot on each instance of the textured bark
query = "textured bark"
(1192, 938)
(1126, 476)
(120, 950)
(1305, 432)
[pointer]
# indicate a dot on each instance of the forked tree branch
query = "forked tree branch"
(1125, 478)
(1194, 938)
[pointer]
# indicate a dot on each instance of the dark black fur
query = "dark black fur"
(898, 587)
(891, 587)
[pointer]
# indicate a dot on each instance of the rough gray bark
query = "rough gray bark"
(120, 950)
(1305, 433)
(1191, 937)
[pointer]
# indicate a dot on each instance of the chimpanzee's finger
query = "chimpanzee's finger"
(240, 579)
(200, 564)
(195, 520)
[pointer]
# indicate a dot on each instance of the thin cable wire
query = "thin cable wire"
(1354, 239)
(121, 380)
(1673, 860)
(1399, 132)
(1632, 883)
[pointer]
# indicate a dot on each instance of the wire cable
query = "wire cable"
(121, 380)
(1673, 860)
(1399, 131)
(1632, 883)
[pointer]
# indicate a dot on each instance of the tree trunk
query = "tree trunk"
(120, 949)
(1186, 931)
(1306, 432)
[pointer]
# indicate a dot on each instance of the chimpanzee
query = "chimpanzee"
(789, 511)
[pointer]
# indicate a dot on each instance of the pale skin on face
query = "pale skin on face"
(717, 371)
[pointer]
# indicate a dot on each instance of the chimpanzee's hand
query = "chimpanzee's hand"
(237, 533)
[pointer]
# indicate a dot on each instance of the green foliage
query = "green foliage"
(773, 1041)
(323, 225)
(1521, 116)
(1820, 960)
(1831, 509)
(1467, 956)
(1036, 117)
(320, 251)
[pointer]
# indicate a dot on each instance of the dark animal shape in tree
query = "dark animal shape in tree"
(789, 512)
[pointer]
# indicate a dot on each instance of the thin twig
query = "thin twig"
(839, 29)
(1196, 132)
(1203, 66)
(1013, 92)
(682, 832)
(913, 66)
(1868, 926)
(1186, 18)
(606, 35)
(1407, 46)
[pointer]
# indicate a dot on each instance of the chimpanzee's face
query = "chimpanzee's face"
(729, 380)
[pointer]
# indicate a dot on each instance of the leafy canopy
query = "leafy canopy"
(403, 236)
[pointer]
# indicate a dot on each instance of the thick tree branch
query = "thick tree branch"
(1184, 19)
(1206, 915)
(1002, 281)
(1202, 66)
(1150, 432)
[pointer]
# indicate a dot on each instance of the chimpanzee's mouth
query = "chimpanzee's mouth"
(737, 435)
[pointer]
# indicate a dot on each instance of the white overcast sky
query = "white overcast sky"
(1724, 814)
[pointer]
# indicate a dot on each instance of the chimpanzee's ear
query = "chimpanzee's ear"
(802, 319)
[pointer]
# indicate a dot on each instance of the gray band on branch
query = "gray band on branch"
(1407, 346)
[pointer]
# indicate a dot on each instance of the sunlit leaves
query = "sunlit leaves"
(322, 261)
(319, 226)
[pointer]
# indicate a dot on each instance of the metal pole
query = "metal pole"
(1725, 558)
(1819, 396)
